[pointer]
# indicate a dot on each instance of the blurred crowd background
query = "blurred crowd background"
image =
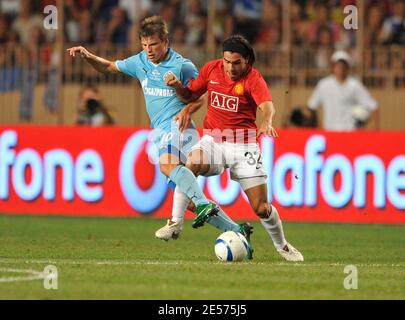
(294, 39)
(108, 22)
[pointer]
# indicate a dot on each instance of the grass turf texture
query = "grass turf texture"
(120, 259)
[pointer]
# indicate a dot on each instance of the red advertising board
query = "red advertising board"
(313, 175)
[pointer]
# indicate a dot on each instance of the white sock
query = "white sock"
(274, 228)
(180, 203)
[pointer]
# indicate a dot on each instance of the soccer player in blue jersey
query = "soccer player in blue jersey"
(151, 67)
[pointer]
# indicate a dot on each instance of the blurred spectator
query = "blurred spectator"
(36, 56)
(117, 28)
(10, 64)
(71, 16)
(44, 3)
(26, 21)
(91, 111)
(86, 27)
(195, 22)
(383, 4)
(223, 24)
(336, 9)
(102, 8)
(270, 32)
(136, 10)
(315, 28)
(178, 35)
(247, 16)
(269, 36)
(341, 97)
(310, 9)
(323, 21)
(372, 31)
(323, 47)
(38, 48)
(10, 7)
(74, 10)
(4, 30)
(169, 14)
(299, 25)
(373, 59)
(80, 26)
(394, 26)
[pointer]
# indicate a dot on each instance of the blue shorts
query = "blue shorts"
(169, 139)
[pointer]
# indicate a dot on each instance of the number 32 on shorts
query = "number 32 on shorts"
(254, 159)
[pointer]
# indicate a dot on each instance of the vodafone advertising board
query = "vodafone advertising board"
(314, 175)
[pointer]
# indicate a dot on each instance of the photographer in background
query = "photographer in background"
(91, 110)
(300, 117)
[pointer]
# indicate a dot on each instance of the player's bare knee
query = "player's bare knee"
(194, 168)
(262, 210)
(197, 168)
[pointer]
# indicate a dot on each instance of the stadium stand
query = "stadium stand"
(294, 41)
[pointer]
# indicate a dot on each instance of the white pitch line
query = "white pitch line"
(34, 275)
(156, 262)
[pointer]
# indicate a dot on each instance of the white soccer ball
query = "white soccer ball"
(231, 246)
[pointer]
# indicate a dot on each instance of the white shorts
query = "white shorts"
(243, 160)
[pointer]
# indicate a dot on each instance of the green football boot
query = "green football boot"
(246, 229)
(203, 212)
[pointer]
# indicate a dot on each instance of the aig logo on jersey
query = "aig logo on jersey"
(224, 102)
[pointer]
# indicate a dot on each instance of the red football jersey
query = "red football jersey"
(231, 104)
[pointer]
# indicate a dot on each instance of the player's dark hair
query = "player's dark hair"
(239, 44)
(154, 25)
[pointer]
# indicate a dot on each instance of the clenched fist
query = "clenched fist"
(172, 81)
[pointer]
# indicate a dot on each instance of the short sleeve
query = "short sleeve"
(128, 66)
(188, 72)
(199, 85)
(259, 91)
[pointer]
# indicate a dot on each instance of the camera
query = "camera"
(92, 106)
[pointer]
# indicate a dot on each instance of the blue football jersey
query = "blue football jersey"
(161, 101)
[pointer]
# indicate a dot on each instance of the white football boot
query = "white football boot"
(289, 253)
(169, 231)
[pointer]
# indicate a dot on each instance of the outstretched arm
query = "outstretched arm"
(100, 64)
(266, 127)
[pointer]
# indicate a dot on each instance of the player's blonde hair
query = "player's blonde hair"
(154, 25)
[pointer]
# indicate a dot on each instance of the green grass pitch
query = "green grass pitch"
(101, 258)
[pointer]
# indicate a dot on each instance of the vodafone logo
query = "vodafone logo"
(224, 102)
(321, 177)
(82, 176)
(144, 201)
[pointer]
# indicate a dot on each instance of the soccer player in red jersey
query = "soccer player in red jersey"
(235, 91)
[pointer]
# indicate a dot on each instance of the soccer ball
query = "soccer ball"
(231, 246)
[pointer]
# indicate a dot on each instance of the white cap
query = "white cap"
(341, 55)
